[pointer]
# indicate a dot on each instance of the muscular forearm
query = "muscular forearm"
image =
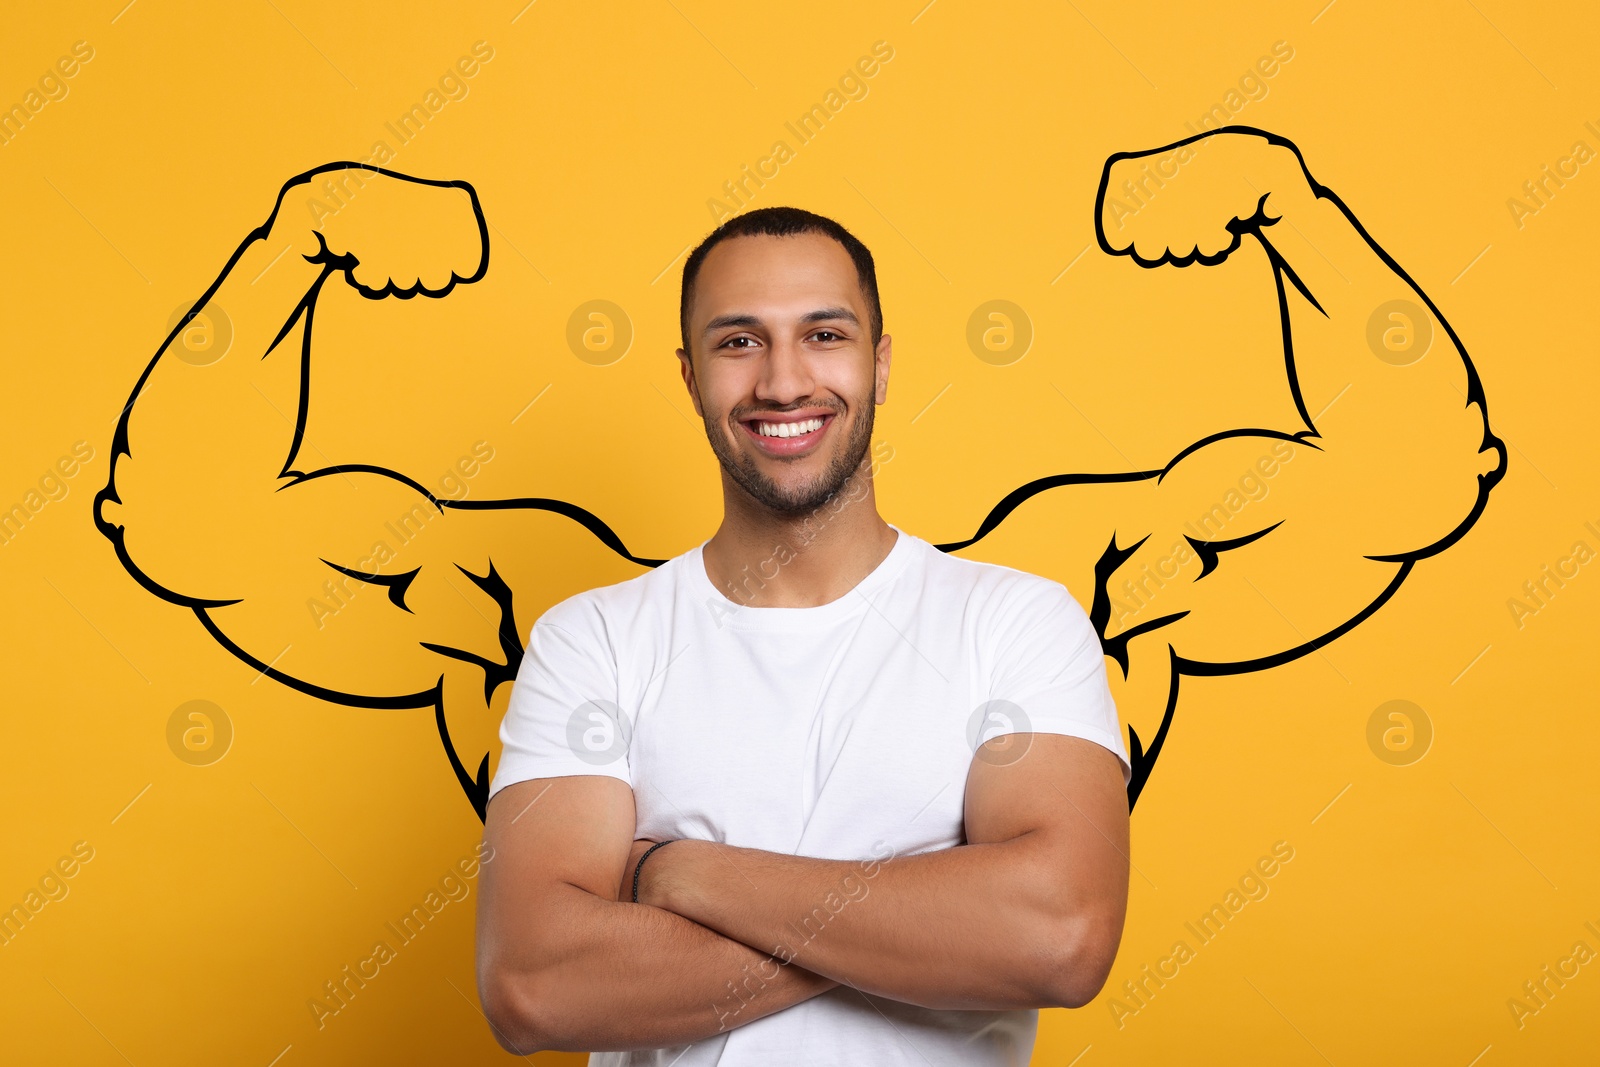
(633, 976)
(240, 406)
(970, 927)
(1371, 341)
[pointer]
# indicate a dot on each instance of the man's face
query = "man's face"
(784, 372)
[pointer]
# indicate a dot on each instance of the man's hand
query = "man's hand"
(391, 234)
(1190, 202)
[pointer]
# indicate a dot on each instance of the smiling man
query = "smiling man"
(881, 789)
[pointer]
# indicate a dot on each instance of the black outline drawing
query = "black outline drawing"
(396, 586)
(476, 786)
(1143, 758)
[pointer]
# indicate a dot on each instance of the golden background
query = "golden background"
(218, 899)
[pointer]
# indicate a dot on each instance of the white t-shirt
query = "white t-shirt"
(844, 731)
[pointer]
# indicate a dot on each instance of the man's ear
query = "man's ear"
(881, 358)
(687, 367)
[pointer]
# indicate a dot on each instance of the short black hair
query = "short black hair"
(783, 222)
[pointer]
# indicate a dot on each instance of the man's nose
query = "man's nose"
(785, 374)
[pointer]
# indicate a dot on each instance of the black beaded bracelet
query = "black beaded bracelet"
(640, 866)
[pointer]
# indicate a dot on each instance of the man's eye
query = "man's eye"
(827, 335)
(732, 340)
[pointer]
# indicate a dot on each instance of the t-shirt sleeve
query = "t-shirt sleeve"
(563, 717)
(1050, 672)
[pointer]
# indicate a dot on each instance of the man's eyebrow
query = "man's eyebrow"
(724, 321)
(833, 314)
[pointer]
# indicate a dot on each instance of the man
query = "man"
(886, 786)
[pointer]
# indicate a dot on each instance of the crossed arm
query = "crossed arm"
(1027, 913)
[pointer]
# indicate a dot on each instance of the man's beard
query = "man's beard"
(805, 498)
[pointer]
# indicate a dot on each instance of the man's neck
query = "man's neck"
(761, 558)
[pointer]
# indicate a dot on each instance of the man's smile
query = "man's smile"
(788, 434)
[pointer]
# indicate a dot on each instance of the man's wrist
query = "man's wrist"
(651, 864)
(661, 878)
(636, 870)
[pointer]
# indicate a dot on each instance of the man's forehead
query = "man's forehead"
(796, 275)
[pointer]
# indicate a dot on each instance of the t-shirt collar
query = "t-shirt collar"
(728, 611)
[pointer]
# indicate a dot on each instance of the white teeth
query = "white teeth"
(787, 429)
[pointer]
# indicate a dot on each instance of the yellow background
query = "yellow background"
(223, 898)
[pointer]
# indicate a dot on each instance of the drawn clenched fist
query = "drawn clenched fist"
(391, 234)
(1191, 201)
